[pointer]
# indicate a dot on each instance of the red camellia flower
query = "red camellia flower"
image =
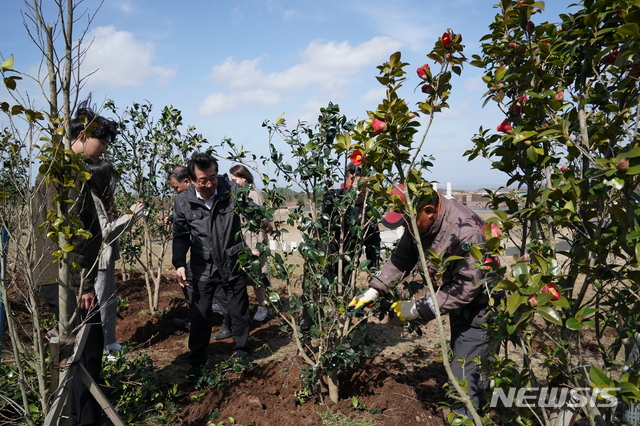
(563, 169)
(522, 99)
(560, 96)
(426, 88)
(553, 290)
(495, 229)
(379, 126)
(530, 27)
(533, 301)
(423, 71)
(505, 126)
(610, 57)
(446, 40)
(515, 109)
(357, 158)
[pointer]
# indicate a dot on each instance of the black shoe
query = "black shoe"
(221, 335)
(182, 323)
(194, 372)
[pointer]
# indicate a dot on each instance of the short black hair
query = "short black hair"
(242, 172)
(179, 173)
(94, 125)
(202, 161)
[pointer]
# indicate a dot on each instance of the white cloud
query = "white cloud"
(125, 7)
(325, 68)
(374, 96)
(119, 60)
(219, 103)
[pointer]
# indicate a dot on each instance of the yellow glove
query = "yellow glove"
(405, 310)
(365, 299)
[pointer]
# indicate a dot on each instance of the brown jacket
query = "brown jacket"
(453, 231)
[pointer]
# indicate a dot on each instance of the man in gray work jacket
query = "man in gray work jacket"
(206, 225)
(445, 226)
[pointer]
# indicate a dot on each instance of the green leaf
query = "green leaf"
(532, 154)
(573, 324)
(598, 377)
(629, 30)
(501, 73)
(514, 301)
(475, 252)
(550, 314)
(523, 136)
(67, 248)
(633, 170)
(563, 302)
(8, 64)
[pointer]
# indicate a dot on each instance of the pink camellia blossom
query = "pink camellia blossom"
(495, 229)
(505, 126)
(423, 71)
(533, 301)
(560, 96)
(610, 57)
(447, 42)
(357, 158)
(379, 126)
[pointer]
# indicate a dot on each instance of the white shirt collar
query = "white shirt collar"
(207, 201)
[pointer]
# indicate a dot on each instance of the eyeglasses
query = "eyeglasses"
(204, 181)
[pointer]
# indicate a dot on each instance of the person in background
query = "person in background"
(90, 135)
(242, 176)
(103, 185)
(206, 226)
(444, 226)
(179, 180)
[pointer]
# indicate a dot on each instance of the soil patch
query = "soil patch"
(401, 383)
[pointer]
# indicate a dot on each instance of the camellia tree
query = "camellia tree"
(144, 153)
(569, 140)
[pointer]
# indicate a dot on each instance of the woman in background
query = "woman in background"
(103, 183)
(242, 176)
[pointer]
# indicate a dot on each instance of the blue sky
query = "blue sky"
(230, 65)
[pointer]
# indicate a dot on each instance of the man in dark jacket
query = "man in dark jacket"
(445, 226)
(206, 226)
(91, 140)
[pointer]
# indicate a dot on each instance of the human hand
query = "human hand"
(365, 299)
(405, 310)
(181, 272)
(87, 301)
(138, 210)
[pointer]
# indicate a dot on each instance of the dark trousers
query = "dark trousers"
(231, 295)
(188, 296)
(469, 341)
(87, 409)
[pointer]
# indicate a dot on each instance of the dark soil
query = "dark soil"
(403, 381)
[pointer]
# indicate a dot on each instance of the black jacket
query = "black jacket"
(213, 236)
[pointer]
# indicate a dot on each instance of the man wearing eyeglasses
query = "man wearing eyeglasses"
(206, 226)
